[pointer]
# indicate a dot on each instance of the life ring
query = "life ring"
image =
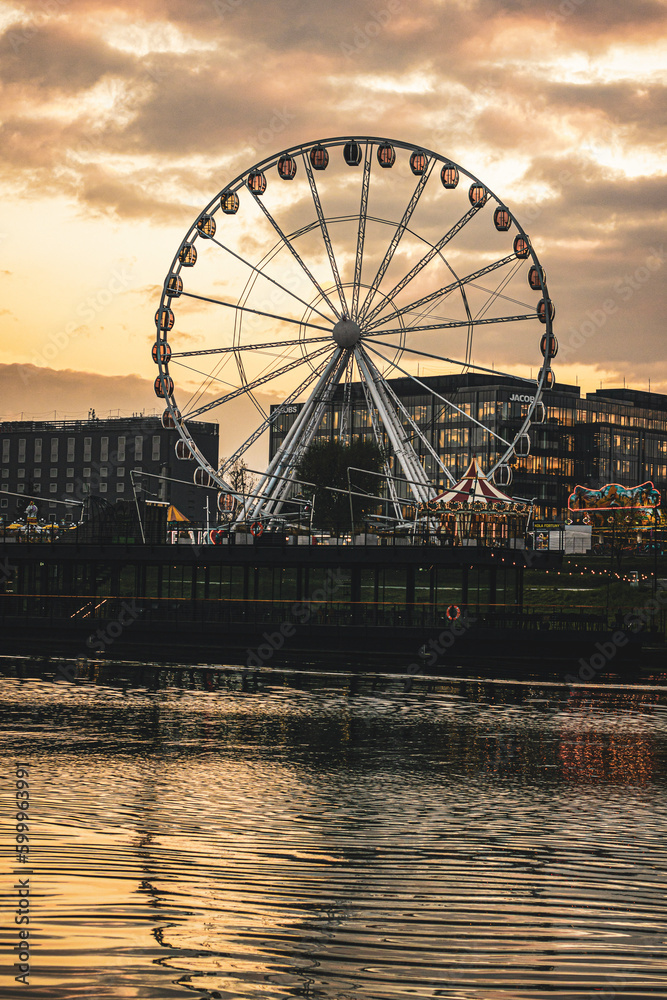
(453, 612)
(256, 529)
(587, 519)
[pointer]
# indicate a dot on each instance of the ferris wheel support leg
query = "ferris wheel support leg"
(418, 433)
(268, 481)
(391, 485)
(420, 485)
(284, 484)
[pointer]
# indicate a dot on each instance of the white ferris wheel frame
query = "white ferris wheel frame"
(351, 338)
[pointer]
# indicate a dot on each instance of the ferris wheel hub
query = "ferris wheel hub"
(346, 332)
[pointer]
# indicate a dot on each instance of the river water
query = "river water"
(316, 838)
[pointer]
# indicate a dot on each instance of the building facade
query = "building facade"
(611, 435)
(58, 462)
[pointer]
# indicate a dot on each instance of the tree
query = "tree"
(241, 481)
(239, 477)
(325, 464)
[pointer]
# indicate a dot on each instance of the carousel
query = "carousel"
(476, 512)
(618, 516)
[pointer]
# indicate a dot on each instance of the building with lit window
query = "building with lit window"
(610, 435)
(72, 459)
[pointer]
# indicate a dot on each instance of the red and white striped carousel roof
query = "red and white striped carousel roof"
(473, 486)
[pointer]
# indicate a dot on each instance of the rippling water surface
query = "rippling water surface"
(308, 840)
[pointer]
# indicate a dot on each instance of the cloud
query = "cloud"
(55, 57)
(136, 115)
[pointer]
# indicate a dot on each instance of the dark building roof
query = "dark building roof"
(633, 397)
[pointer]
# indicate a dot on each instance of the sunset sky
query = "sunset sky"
(120, 123)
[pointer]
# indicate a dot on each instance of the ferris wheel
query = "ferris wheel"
(343, 261)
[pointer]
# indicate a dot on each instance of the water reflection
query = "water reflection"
(302, 839)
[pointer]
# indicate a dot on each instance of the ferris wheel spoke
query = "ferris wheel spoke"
(379, 441)
(396, 239)
(441, 292)
(268, 277)
(209, 376)
(495, 294)
(425, 260)
(257, 312)
(361, 233)
(250, 347)
(292, 249)
(271, 419)
(451, 361)
(249, 387)
(325, 233)
(453, 324)
(443, 399)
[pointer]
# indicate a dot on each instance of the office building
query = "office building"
(610, 435)
(69, 460)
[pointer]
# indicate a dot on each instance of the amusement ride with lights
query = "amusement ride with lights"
(350, 260)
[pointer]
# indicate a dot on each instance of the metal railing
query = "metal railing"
(76, 609)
